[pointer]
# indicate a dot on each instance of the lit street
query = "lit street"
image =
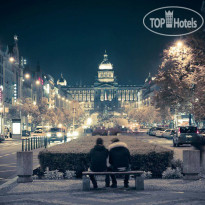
(8, 151)
(9, 148)
(102, 95)
(164, 143)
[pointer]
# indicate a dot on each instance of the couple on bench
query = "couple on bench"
(119, 160)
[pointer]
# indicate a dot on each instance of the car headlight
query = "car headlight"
(48, 134)
(75, 133)
(59, 134)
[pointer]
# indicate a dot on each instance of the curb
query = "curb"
(7, 185)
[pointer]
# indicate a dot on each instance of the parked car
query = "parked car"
(26, 133)
(88, 131)
(2, 138)
(151, 131)
(202, 135)
(186, 135)
(202, 132)
(113, 131)
(159, 132)
(168, 133)
(154, 130)
(100, 131)
(56, 134)
(135, 131)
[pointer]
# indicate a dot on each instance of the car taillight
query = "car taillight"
(197, 131)
(179, 131)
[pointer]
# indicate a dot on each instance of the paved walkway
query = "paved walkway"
(67, 192)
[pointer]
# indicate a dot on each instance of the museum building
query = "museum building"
(105, 93)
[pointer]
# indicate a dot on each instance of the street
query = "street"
(164, 143)
(9, 148)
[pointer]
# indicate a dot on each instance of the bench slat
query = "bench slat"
(109, 173)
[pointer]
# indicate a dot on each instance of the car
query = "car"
(151, 131)
(56, 134)
(26, 133)
(154, 130)
(2, 138)
(38, 133)
(100, 131)
(168, 133)
(135, 131)
(202, 132)
(202, 135)
(88, 131)
(186, 135)
(159, 132)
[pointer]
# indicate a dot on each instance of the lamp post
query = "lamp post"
(74, 111)
(178, 51)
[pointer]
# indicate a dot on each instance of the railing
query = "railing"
(31, 143)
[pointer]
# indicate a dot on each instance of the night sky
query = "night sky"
(71, 36)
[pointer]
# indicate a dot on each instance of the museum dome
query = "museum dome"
(105, 65)
(62, 81)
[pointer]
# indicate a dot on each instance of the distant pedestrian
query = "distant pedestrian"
(98, 161)
(119, 159)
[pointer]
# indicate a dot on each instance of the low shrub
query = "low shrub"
(170, 173)
(176, 164)
(69, 174)
(74, 155)
(53, 174)
(147, 175)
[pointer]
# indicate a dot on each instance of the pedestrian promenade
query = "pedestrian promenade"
(67, 192)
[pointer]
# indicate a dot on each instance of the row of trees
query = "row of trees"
(180, 81)
(181, 77)
(147, 115)
(40, 113)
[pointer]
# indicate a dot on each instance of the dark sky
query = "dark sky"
(70, 36)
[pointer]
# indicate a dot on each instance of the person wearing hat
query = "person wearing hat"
(98, 162)
(119, 159)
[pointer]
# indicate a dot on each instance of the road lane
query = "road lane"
(8, 150)
(178, 151)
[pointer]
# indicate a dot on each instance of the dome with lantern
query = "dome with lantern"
(62, 81)
(105, 65)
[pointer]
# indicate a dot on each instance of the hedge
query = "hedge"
(74, 155)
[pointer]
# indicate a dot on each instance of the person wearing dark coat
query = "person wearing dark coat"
(98, 161)
(119, 159)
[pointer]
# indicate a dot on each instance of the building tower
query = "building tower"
(105, 71)
(62, 81)
(105, 87)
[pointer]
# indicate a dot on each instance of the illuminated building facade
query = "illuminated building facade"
(105, 94)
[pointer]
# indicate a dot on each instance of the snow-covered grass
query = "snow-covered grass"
(74, 155)
(84, 144)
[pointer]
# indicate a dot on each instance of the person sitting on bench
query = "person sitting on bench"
(119, 159)
(98, 162)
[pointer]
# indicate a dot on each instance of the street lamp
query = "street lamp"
(179, 44)
(89, 121)
(11, 59)
(37, 82)
(27, 76)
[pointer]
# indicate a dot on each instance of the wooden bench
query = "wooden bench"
(139, 180)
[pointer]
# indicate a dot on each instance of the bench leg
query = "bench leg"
(139, 183)
(86, 183)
